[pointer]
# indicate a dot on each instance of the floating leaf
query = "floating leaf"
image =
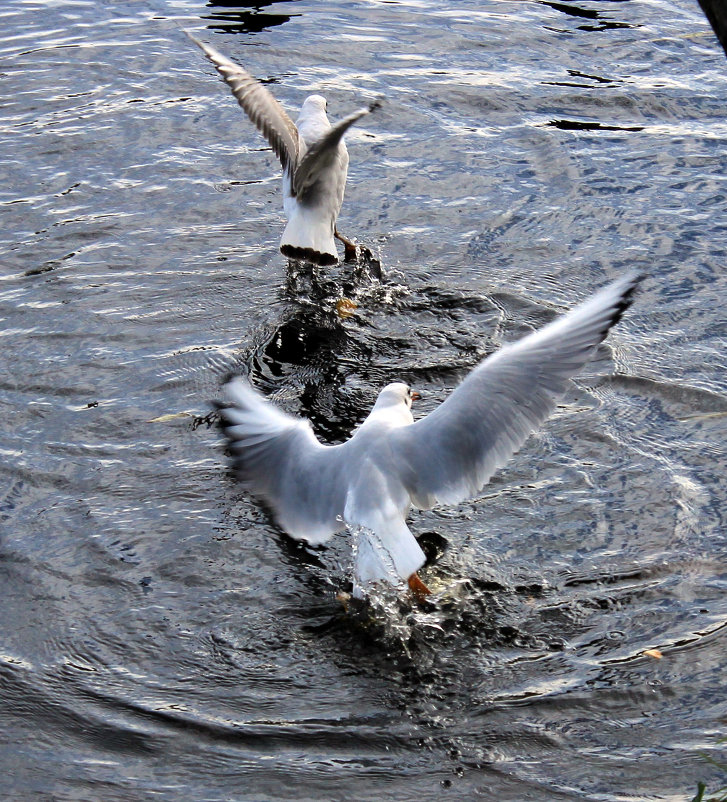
(171, 416)
(345, 307)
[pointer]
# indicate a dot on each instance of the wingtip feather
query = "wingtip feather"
(628, 285)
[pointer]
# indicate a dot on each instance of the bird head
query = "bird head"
(397, 393)
(316, 102)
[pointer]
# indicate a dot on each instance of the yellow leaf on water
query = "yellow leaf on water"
(704, 415)
(345, 307)
(172, 416)
(655, 653)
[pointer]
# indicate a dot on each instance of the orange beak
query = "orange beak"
(415, 396)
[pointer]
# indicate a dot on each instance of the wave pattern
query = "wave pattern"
(159, 635)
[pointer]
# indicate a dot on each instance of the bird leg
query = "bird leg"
(349, 247)
(417, 587)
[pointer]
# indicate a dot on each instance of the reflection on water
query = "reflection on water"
(159, 635)
(231, 16)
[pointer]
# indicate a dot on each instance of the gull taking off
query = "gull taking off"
(314, 158)
(392, 463)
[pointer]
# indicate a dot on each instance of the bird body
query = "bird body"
(313, 155)
(392, 463)
(311, 227)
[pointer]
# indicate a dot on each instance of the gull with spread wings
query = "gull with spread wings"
(314, 159)
(392, 463)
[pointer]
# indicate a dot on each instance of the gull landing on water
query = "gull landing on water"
(314, 159)
(392, 463)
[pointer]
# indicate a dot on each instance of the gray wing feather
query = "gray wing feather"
(320, 156)
(451, 453)
(261, 107)
(279, 459)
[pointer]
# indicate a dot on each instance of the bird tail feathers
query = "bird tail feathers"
(309, 237)
(390, 551)
(389, 554)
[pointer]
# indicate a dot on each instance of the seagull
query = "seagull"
(314, 159)
(392, 463)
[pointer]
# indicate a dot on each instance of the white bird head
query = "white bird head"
(393, 406)
(396, 393)
(314, 103)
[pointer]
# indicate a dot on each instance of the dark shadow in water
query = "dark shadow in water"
(241, 17)
(606, 26)
(584, 80)
(581, 125)
(572, 10)
(306, 357)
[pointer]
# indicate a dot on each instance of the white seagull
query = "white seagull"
(392, 463)
(314, 158)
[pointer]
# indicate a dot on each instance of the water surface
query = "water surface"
(160, 637)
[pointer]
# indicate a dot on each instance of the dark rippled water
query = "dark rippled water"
(161, 639)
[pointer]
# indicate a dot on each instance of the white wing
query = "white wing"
(261, 107)
(318, 163)
(279, 459)
(451, 453)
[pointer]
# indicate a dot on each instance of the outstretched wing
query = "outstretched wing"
(260, 106)
(279, 459)
(451, 453)
(318, 160)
